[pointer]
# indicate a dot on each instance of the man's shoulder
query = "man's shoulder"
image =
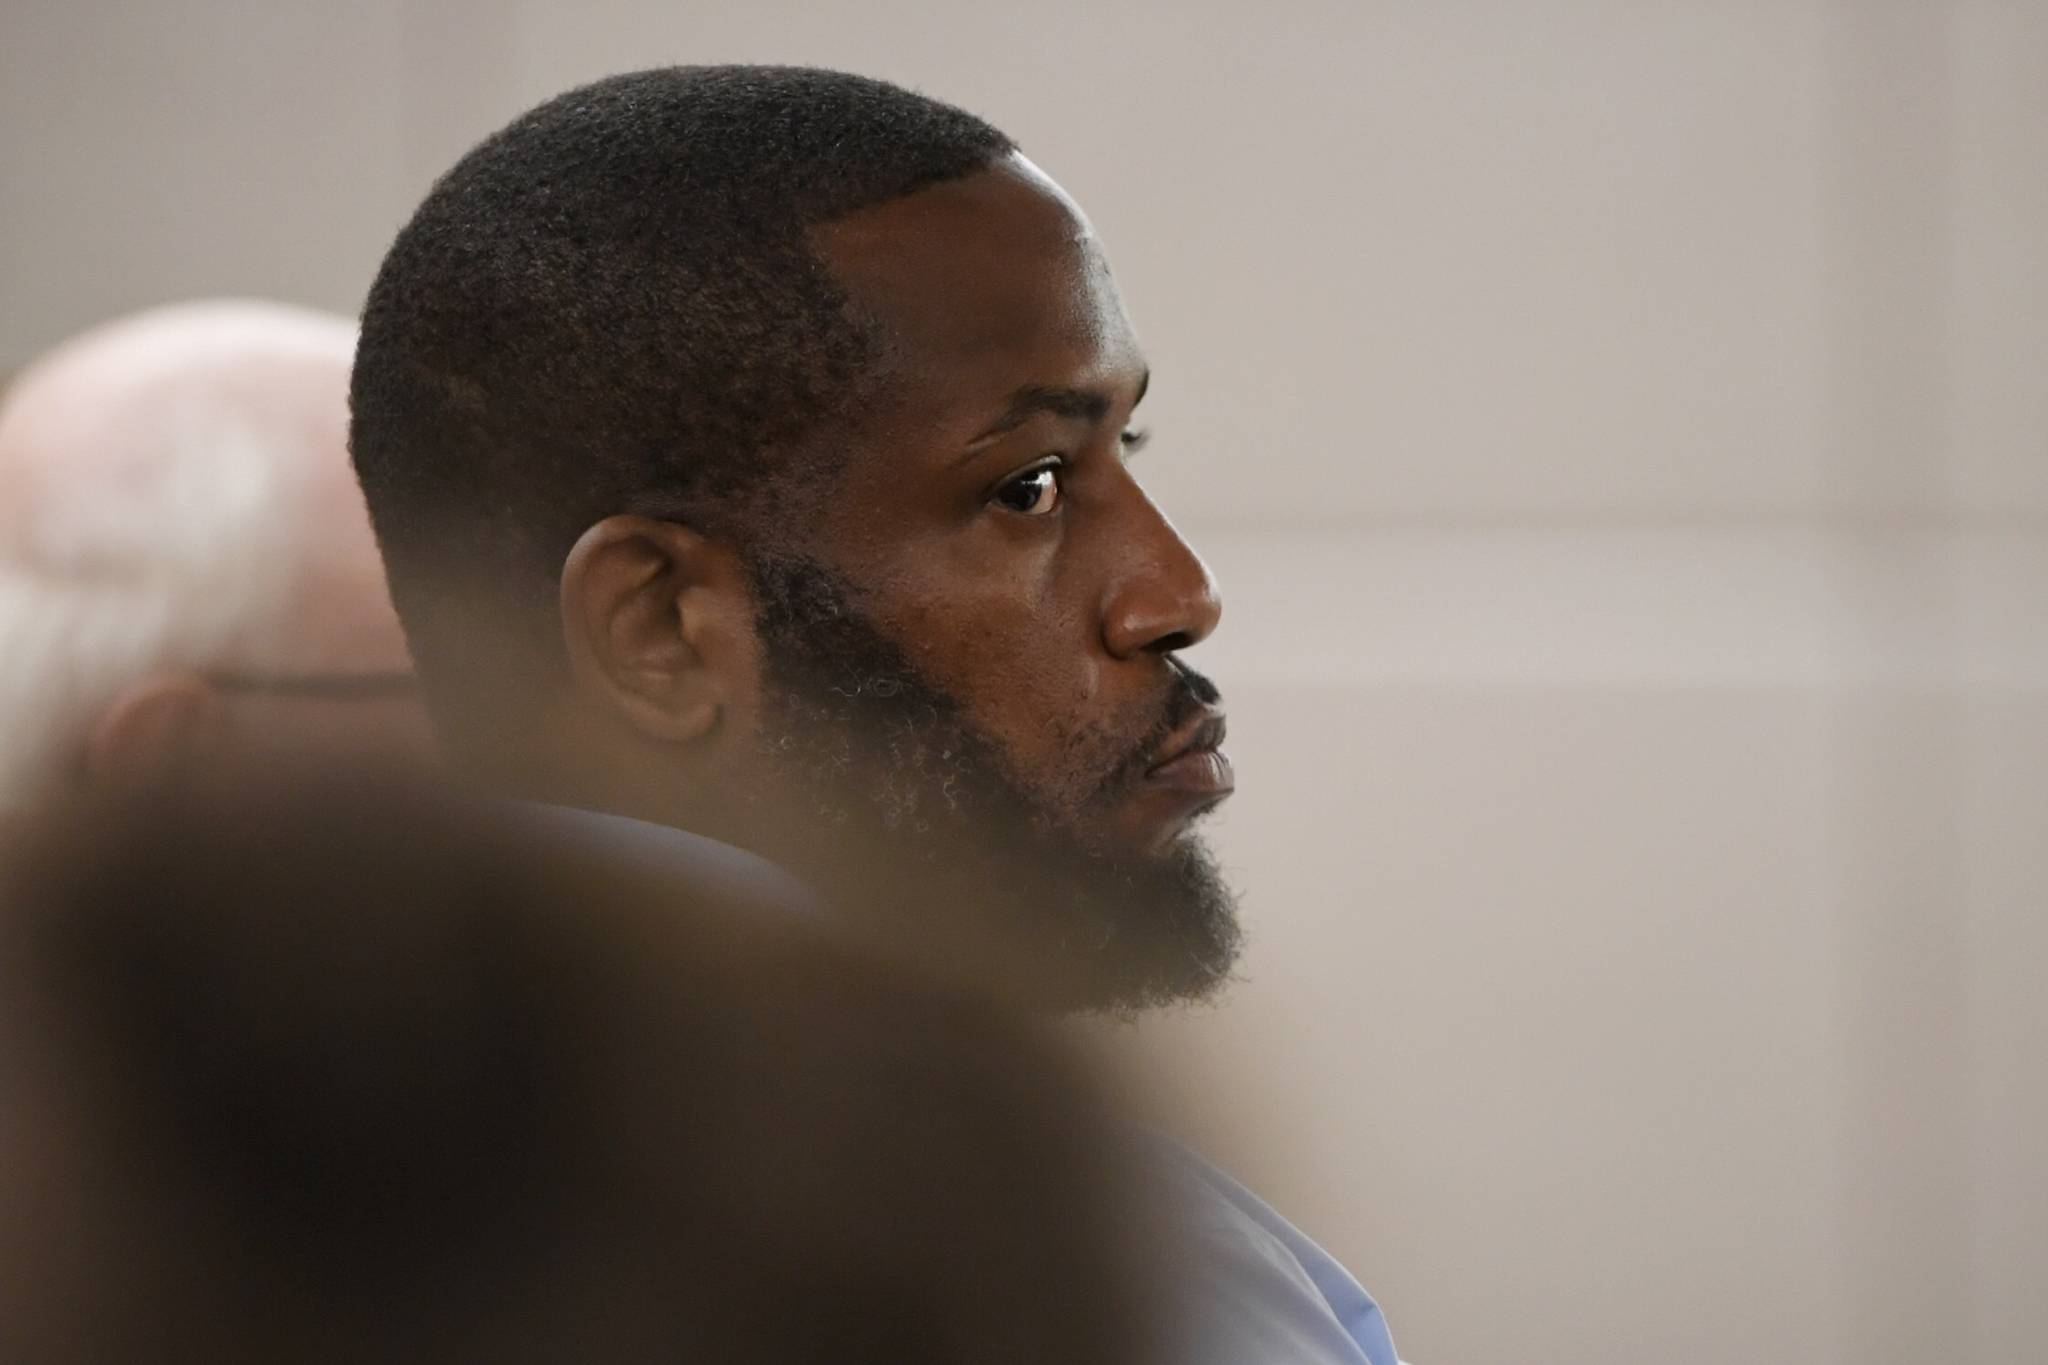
(1248, 1286)
(719, 869)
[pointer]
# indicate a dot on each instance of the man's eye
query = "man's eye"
(1034, 493)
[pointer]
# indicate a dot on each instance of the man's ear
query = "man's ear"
(658, 622)
(152, 728)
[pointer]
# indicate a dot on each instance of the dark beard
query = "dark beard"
(883, 790)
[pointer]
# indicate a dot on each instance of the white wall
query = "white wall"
(1621, 431)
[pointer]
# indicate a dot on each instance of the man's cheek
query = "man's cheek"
(1079, 758)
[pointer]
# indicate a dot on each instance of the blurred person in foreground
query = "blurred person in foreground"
(316, 1067)
(751, 453)
(186, 568)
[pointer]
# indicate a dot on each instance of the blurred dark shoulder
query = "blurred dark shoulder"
(336, 1065)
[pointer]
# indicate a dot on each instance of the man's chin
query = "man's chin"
(1053, 927)
(1170, 933)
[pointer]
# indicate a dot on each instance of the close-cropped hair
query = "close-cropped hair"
(613, 305)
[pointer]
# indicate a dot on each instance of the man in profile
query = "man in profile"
(186, 569)
(750, 449)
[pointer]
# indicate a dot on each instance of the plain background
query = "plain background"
(1621, 430)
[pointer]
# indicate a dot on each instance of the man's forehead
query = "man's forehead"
(999, 263)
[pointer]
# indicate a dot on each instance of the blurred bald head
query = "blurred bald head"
(186, 566)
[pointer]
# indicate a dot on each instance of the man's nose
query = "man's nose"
(1165, 599)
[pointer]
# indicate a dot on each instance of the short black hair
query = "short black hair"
(612, 305)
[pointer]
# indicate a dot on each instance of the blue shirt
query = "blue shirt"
(1249, 1287)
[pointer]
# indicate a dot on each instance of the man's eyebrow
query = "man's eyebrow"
(1085, 405)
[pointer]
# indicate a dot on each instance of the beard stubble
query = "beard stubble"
(880, 788)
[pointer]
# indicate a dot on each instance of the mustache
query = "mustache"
(1196, 684)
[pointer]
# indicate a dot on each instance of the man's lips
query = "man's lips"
(1202, 731)
(1199, 771)
(1188, 777)
(1192, 761)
